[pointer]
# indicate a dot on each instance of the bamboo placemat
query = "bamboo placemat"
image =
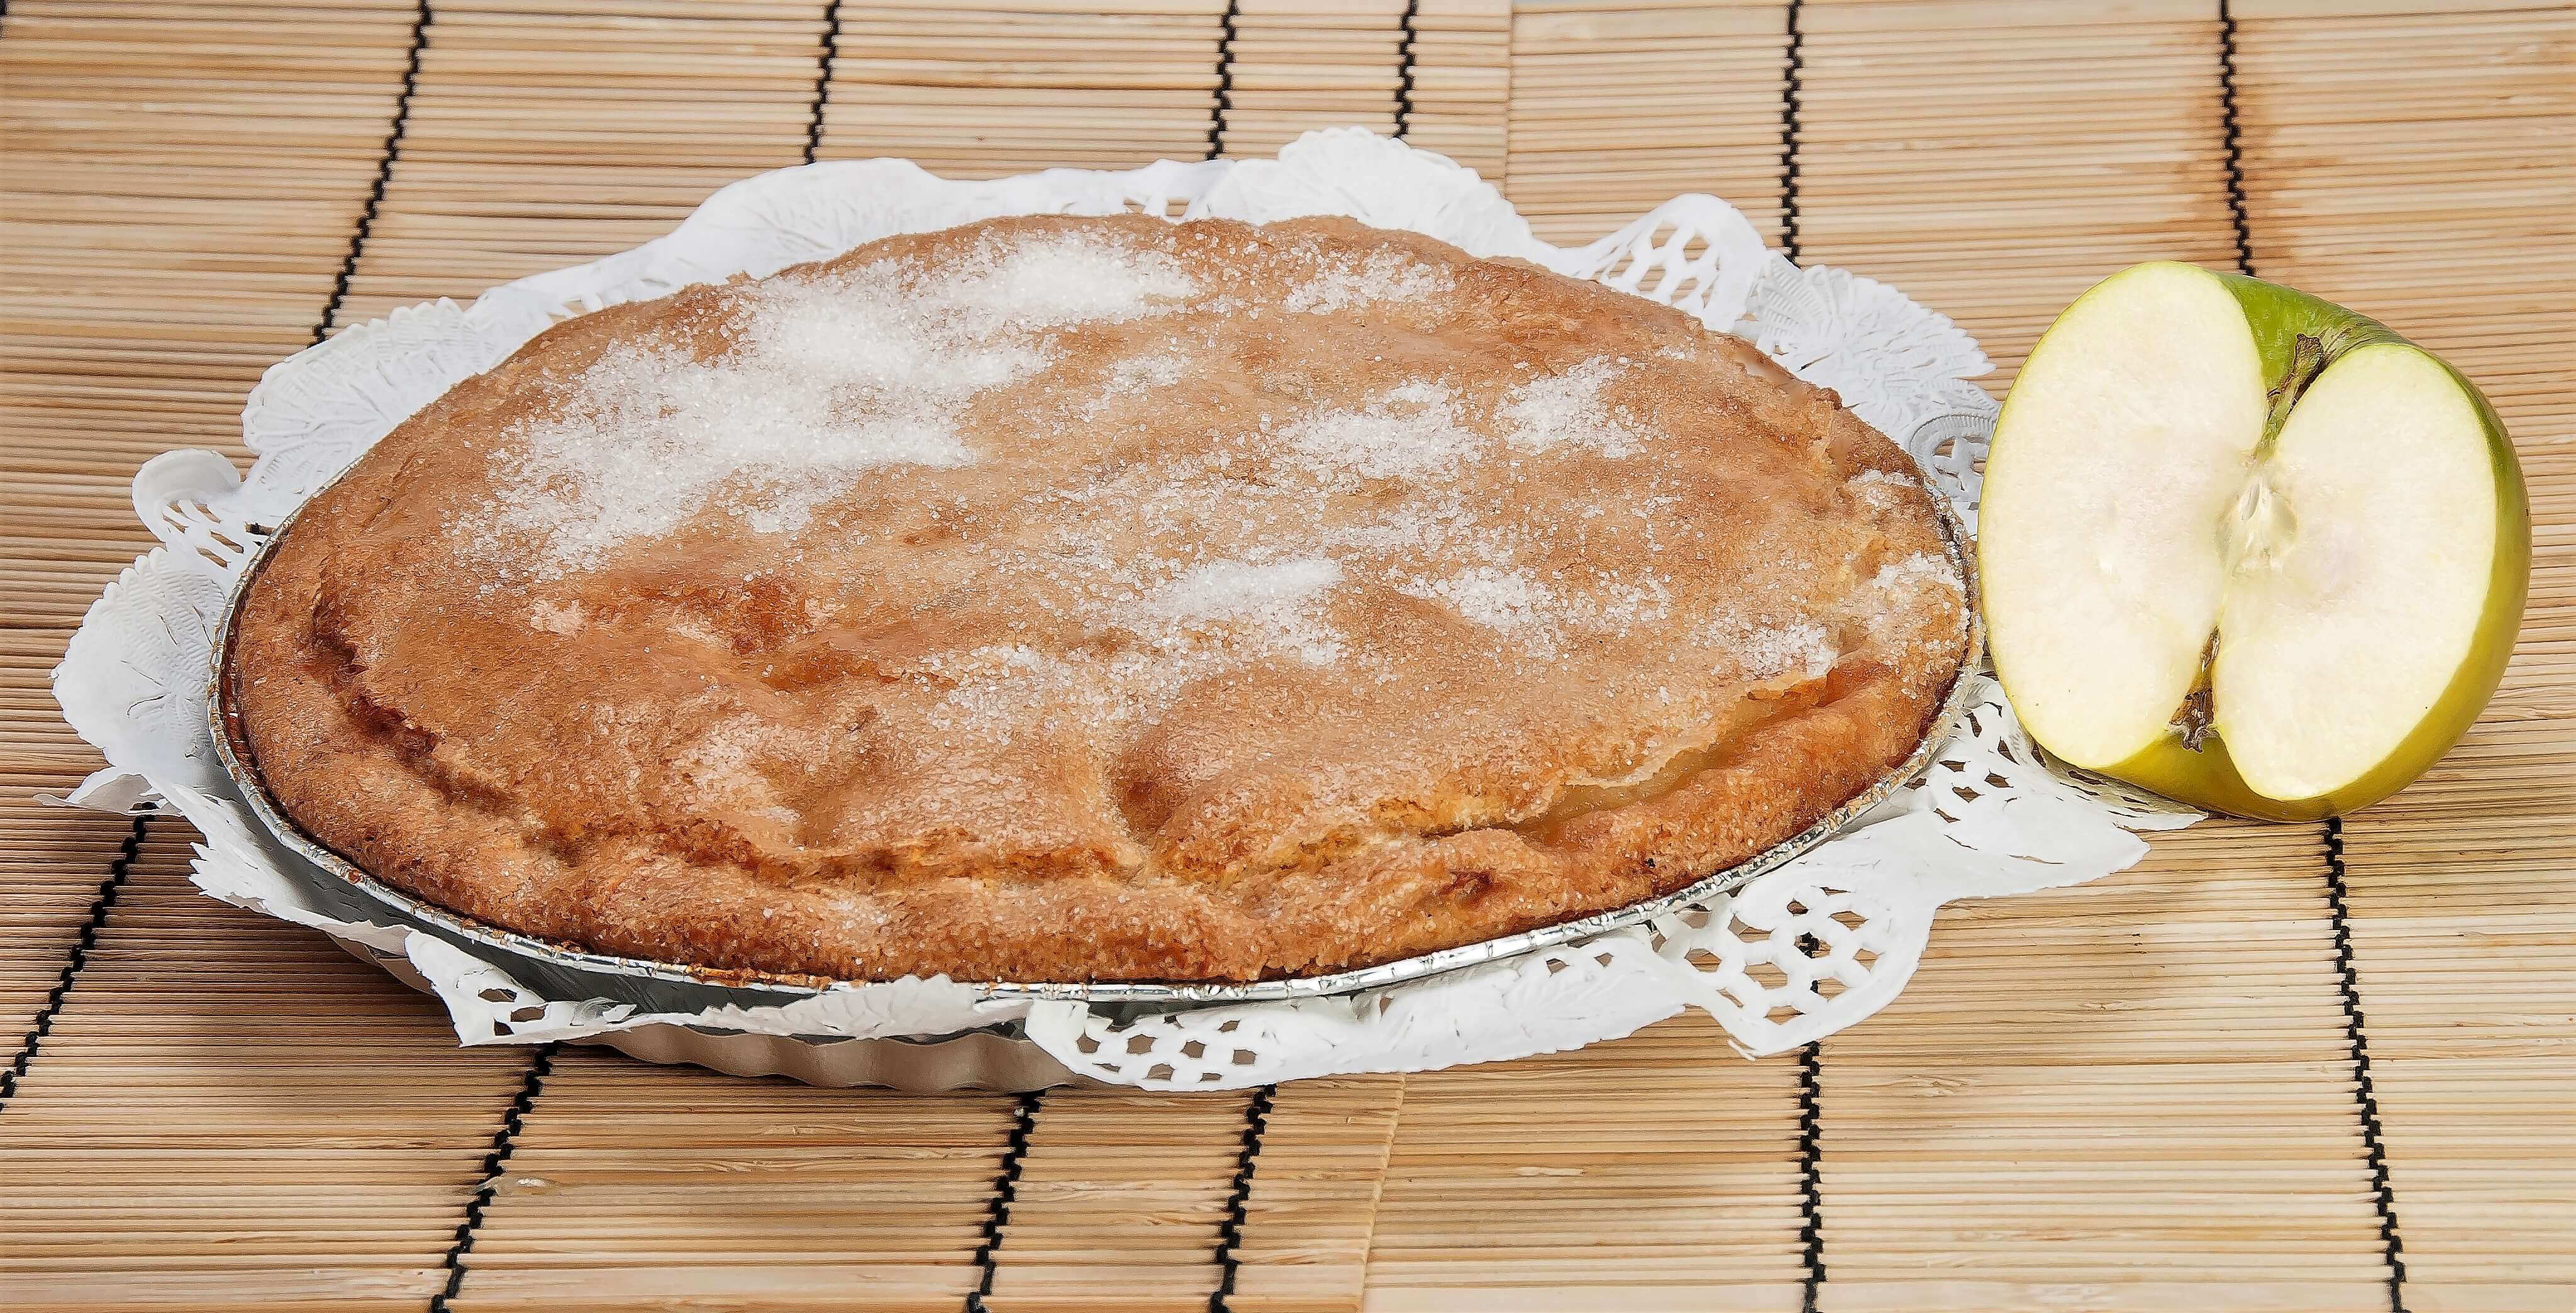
(2262, 1071)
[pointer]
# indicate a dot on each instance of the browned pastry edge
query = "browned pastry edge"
(1778, 782)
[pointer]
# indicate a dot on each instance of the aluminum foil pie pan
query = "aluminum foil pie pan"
(993, 1058)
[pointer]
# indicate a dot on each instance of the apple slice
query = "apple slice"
(2246, 548)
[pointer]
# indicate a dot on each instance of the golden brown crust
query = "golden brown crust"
(1340, 599)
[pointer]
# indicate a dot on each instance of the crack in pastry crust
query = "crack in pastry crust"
(1097, 599)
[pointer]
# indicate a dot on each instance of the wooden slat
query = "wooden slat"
(1654, 1172)
(52, 862)
(1462, 82)
(1299, 65)
(1120, 1202)
(540, 138)
(634, 1185)
(989, 90)
(178, 195)
(2136, 1090)
(232, 1112)
(1312, 1209)
(180, 191)
(1305, 64)
(1994, 160)
(1618, 107)
(2423, 170)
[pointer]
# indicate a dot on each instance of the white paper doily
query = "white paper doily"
(1991, 818)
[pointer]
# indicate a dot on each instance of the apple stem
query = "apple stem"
(2307, 360)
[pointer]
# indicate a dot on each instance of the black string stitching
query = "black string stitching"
(2374, 1144)
(1224, 80)
(1229, 1234)
(1794, 62)
(2231, 137)
(420, 20)
(1811, 1097)
(1404, 70)
(1006, 1191)
(505, 1143)
(1811, 1185)
(108, 890)
(823, 78)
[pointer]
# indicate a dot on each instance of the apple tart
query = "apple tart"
(1097, 599)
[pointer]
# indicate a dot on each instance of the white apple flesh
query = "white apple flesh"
(2245, 548)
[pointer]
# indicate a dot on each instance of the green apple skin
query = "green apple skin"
(2206, 777)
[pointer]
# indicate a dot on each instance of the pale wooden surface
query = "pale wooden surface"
(2137, 1094)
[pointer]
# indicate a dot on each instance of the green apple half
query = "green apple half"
(2247, 549)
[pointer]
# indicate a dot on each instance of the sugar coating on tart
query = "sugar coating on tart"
(1097, 599)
